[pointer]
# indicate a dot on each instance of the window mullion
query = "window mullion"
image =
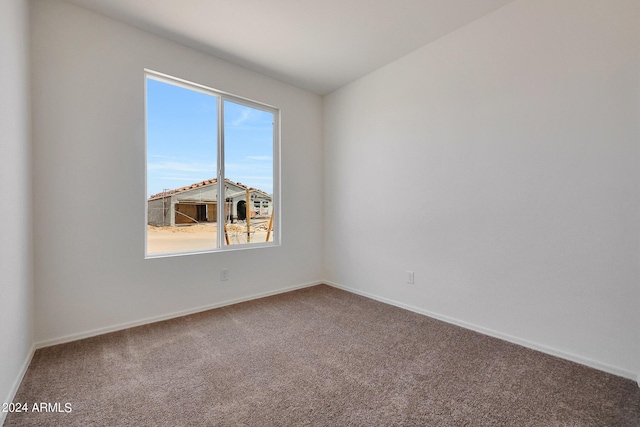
(222, 201)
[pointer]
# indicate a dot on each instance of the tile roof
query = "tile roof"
(204, 183)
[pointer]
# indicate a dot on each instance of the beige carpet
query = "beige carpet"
(318, 356)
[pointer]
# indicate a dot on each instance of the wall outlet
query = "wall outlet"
(410, 277)
(224, 274)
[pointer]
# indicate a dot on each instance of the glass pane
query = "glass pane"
(248, 166)
(182, 134)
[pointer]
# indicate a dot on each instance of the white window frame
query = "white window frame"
(275, 201)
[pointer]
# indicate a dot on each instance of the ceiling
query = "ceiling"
(318, 45)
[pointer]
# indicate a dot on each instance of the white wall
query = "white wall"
(16, 284)
(89, 198)
(501, 164)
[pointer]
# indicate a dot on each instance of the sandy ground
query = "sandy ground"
(200, 237)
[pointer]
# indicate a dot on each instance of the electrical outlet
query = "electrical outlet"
(224, 274)
(410, 277)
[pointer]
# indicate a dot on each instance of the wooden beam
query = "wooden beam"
(270, 225)
(226, 235)
(248, 211)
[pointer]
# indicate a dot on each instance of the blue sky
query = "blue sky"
(182, 140)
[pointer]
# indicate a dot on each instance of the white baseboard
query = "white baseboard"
(525, 343)
(145, 321)
(18, 381)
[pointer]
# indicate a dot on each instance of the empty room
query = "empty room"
(357, 212)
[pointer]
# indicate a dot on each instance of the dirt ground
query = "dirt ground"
(200, 237)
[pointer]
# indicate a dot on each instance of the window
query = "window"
(212, 169)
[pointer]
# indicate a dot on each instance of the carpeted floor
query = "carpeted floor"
(317, 356)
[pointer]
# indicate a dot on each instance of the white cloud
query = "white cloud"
(181, 167)
(243, 117)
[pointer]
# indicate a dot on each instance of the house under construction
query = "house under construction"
(197, 203)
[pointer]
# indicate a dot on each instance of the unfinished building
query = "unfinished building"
(197, 203)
